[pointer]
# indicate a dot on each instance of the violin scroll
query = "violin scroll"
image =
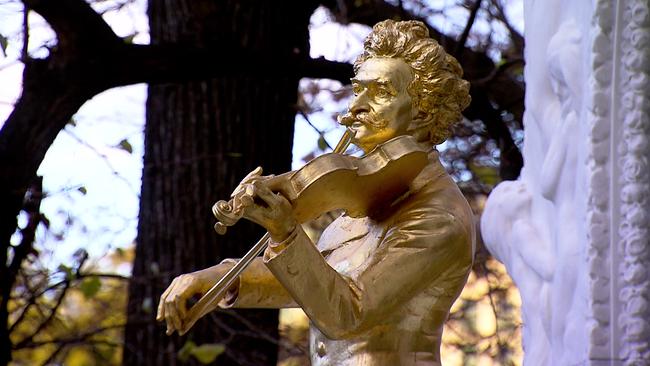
(228, 213)
(225, 215)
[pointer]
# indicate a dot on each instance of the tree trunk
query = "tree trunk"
(201, 138)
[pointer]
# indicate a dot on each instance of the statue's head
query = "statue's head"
(405, 83)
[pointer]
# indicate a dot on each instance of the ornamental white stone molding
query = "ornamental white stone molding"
(574, 230)
(630, 183)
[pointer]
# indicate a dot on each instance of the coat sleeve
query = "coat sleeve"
(256, 287)
(421, 246)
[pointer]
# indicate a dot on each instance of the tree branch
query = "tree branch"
(24, 53)
(32, 208)
(66, 285)
(481, 108)
(78, 27)
(173, 62)
(72, 340)
(515, 36)
(470, 22)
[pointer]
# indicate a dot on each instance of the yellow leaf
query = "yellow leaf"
(207, 353)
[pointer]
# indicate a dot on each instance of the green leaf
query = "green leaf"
(185, 352)
(129, 39)
(322, 144)
(90, 287)
(486, 174)
(4, 42)
(207, 353)
(83, 190)
(126, 146)
(67, 270)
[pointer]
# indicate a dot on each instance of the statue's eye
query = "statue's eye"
(357, 89)
(382, 93)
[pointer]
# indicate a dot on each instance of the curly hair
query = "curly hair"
(438, 90)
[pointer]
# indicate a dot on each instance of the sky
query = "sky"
(92, 171)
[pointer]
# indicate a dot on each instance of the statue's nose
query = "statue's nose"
(360, 103)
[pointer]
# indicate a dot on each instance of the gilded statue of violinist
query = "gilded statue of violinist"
(376, 288)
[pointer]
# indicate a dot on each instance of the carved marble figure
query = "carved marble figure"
(535, 225)
(377, 288)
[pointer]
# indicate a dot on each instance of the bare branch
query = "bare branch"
(78, 339)
(24, 53)
(104, 158)
(32, 207)
(66, 285)
(320, 133)
(516, 37)
(76, 24)
(172, 62)
(499, 70)
(470, 22)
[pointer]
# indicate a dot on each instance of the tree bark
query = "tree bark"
(201, 138)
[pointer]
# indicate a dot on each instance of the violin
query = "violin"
(357, 185)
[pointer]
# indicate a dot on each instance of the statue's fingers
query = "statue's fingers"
(246, 198)
(236, 203)
(171, 316)
(180, 307)
(177, 319)
(253, 175)
(256, 214)
(160, 314)
(270, 198)
(168, 321)
(161, 303)
(249, 190)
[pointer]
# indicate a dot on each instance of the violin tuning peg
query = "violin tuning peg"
(220, 228)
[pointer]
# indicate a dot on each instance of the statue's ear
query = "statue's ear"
(420, 125)
(415, 110)
(421, 119)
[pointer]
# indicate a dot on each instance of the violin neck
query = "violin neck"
(345, 141)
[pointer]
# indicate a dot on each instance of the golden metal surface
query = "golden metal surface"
(379, 287)
(228, 213)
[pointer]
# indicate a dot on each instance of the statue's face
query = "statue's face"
(381, 108)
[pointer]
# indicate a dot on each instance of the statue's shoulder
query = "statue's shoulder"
(434, 194)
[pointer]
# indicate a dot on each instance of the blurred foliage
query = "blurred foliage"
(205, 353)
(484, 326)
(73, 315)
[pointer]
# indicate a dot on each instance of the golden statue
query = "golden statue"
(379, 283)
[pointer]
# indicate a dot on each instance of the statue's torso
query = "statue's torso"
(411, 333)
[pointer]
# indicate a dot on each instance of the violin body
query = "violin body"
(358, 185)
